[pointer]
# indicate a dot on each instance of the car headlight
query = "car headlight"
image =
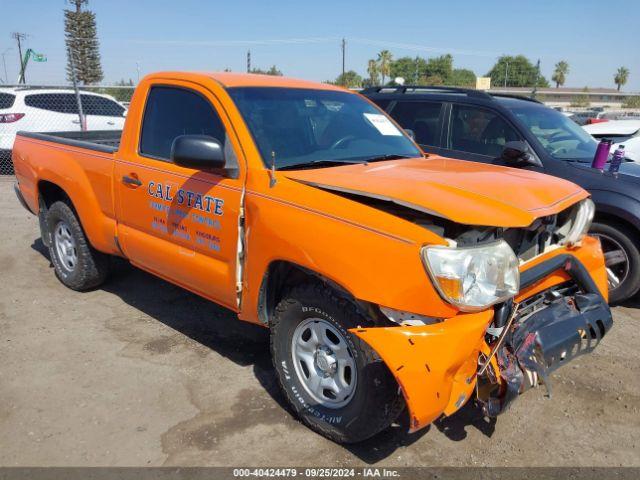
(473, 278)
(581, 222)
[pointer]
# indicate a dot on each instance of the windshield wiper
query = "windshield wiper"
(318, 164)
(382, 158)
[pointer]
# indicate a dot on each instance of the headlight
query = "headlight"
(581, 222)
(473, 278)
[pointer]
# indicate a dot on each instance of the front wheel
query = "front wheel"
(622, 259)
(334, 381)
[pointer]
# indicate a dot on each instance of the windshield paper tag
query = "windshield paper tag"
(383, 124)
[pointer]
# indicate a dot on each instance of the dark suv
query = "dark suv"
(522, 132)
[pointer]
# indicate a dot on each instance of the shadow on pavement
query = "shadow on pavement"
(246, 344)
(455, 426)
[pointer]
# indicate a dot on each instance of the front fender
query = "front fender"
(618, 205)
(434, 365)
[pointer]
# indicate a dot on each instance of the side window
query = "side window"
(6, 100)
(54, 102)
(93, 105)
(480, 131)
(171, 112)
(421, 117)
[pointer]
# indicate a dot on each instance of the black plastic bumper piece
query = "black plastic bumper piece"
(546, 339)
(566, 262)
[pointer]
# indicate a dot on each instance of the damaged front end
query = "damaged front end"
(530, 339)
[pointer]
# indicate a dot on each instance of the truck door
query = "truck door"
(178, 222)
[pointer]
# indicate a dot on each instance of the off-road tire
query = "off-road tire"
(92, 267)
(376, 401)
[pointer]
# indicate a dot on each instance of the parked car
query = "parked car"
(48, 110)
(621, 132)
(384, 277)
(481, 127)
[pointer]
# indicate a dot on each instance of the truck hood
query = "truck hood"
(464, 192)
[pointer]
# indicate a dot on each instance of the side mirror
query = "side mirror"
(201, 152)
(516, 154)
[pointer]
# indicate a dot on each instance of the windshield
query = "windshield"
(560, 136)
(296, 127)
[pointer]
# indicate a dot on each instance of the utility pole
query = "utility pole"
(83, 125)
(4, 63)
(19, 37)
(248, 61)
(535, 85)
(138, 70)
(506, 73)
(344, 47)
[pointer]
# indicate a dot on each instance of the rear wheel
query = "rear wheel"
(622, 259)
(334, 381)
(77, 264)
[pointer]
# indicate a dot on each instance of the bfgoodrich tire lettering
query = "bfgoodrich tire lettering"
(90, 267)
(374, 404)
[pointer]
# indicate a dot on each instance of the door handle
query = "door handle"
(131, 181)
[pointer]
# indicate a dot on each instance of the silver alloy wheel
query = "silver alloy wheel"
(323, 363)
(615, 259)
(65, 246)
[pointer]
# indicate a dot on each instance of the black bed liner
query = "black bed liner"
(106, 141)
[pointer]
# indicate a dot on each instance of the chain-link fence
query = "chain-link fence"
(58, 109)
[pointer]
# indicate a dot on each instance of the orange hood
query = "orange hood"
(465, 192)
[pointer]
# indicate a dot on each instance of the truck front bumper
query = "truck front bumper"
(436, 365)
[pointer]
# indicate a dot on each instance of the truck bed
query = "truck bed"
(106, 141)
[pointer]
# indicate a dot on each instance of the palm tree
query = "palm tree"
(560, 73)
(372, 70)
(621, 77)
(384, 63)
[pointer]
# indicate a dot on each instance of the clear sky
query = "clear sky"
(302, 37)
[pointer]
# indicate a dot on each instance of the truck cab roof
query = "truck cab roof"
(231, 80)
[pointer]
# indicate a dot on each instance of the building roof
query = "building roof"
(562, 91)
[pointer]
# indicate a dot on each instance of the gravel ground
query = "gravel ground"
(141, 372)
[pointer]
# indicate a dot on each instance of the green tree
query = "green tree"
(432, 80)
(632, 102)
(462, 77)
(411, 69)
(441, 67)
(349, 79)
(272, 71)
(621, 77)
(560, 73)
(518, 71)
(404, 67)
(374, 73)
(81, 38)
(581, 100)
(384, 64)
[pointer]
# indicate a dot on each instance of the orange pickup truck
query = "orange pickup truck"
(389, 278)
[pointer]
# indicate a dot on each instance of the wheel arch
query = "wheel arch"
(281, 275)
